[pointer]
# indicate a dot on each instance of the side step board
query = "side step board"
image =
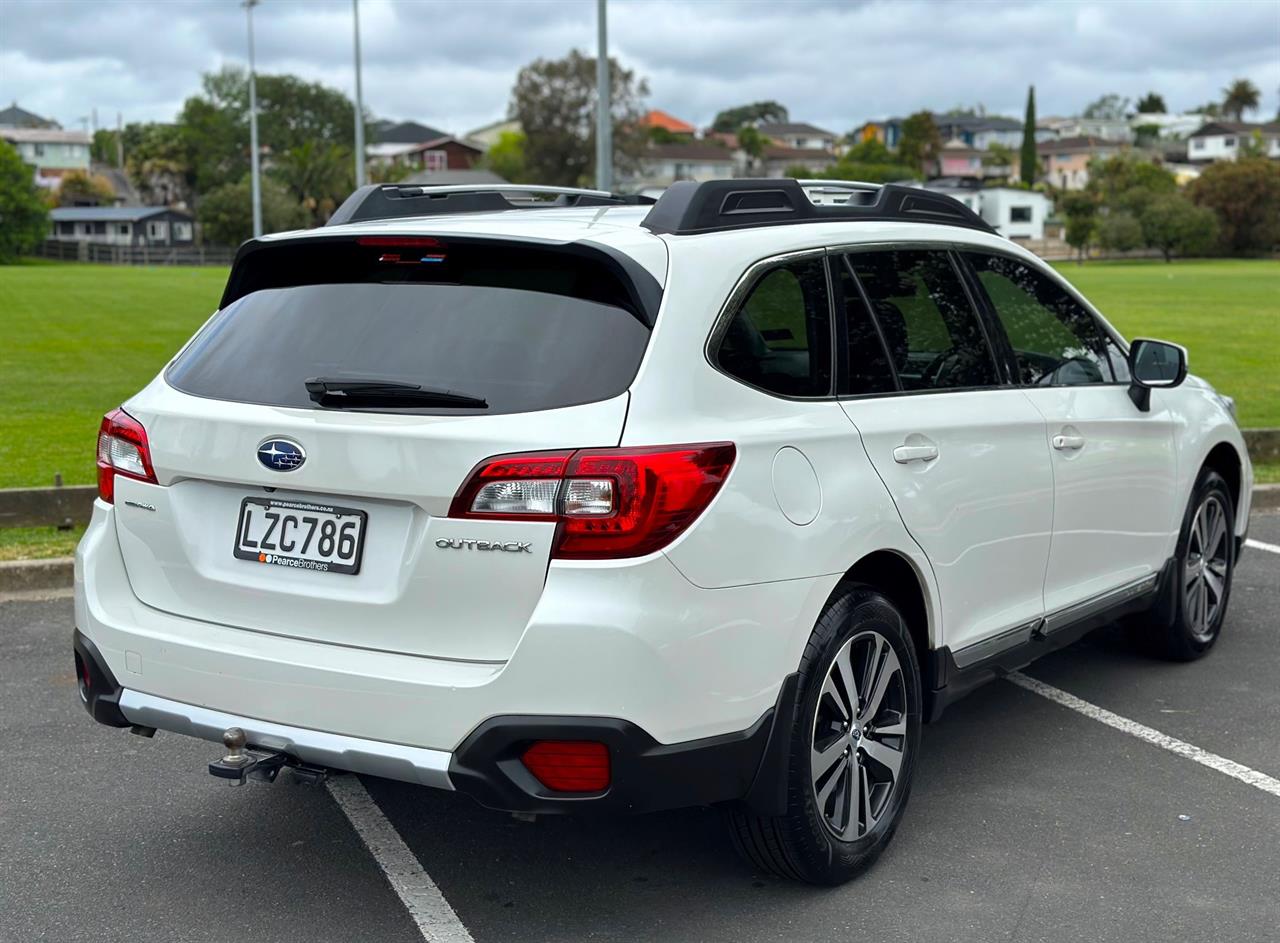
(952, 675)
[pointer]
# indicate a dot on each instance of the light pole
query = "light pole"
(254, 181)
(360, 171)
(604, 126)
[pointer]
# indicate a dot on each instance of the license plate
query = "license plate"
(300, 536)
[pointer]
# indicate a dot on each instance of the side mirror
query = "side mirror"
(1154, 365)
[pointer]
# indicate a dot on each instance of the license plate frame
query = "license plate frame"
(295, 559)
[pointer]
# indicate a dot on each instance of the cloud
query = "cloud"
(451, 63)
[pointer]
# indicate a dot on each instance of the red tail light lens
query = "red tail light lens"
(610, 503)
(122, 450)
(569, 765)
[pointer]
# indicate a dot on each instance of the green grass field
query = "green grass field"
(77, 340)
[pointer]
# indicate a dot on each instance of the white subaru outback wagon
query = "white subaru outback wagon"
(573, 502)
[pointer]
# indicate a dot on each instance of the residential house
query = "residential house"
(123, 225)
(976, 131)
(663, 164)
(489, 134)
(870, 131)
(1169, 127)
(447, 178)
(799, 136)
(15, 117)
(669, 123)
(778, 159)
(1015, 213)
(1223, 140)
(1066, 160)
(52, 152)
(1108, 129)
(957, 159)
(422, 148)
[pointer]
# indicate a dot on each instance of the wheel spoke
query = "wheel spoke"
(895, 728)
(1214, 582)
(1190, 574)
(852, 796)
(824, 794)
(888, 670)
(867, 820)
(883, 754)
(869, 667)
(844, 668)
(1217, 532)
(822, 760)
(1203, 621)
(831, 694)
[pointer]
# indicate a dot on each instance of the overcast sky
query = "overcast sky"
(451, 63)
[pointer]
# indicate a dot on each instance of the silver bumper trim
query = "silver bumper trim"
(375, 757)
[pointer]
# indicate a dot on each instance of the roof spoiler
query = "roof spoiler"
(399, 201)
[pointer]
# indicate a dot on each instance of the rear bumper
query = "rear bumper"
(646, 776)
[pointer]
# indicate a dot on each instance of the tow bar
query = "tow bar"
(241, 764)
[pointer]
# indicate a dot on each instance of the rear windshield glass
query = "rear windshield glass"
(518, 349)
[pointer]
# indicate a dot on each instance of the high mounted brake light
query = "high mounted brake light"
(122, 450)
(610, 503)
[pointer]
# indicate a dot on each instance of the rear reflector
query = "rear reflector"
(610, 503)
(569, 765)
(122, 450)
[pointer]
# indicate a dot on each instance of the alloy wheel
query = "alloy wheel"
(1204, 573)
(859, 737)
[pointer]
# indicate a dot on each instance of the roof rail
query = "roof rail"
(688, 208)
(397, 201)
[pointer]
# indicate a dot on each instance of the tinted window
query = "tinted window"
(521, 350)
(867, 362)
(933, 334)
(780, 338)
(1056, 341)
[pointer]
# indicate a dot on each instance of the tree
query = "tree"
(78, 188)
(1119, 232)
(1175, 225)
(506, 157)
(24, 218)
(731, 119)
(319, 176)
(227, 215)
(870, 151)
(1151, 104)
(1238, 97)
(159, 161)
(555, 102)
(1245, 195)
(1126, 181)
(1208, 109)
(1108, 107)
(1080, 209)
(920, 142)
(1027, 157)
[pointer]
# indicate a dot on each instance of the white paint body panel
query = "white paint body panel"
(689, 642)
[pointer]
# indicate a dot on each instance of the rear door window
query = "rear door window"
(934, 337)
(779, 340)
(520, 340)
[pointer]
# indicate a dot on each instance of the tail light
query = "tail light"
(569, 765)
(609, 503)
(122, 450)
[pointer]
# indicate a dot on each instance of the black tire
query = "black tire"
(1189, 631)
(805, 843)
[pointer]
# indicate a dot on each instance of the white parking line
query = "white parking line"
(1259, 545)
(436, 920)
(1220, 763)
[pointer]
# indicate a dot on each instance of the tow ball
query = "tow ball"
(241, 764)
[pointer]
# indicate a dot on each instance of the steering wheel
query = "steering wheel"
(947, 360)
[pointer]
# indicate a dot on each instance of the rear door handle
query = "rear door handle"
(915, 453)
(1068, 443)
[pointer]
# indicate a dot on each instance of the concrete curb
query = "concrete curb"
(1266, 497)
(17, 576)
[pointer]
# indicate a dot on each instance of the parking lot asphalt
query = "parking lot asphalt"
(1028, 821)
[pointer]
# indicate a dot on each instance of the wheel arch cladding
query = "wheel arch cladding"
(893, 575)
(1225, 460)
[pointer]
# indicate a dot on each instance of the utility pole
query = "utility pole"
(604, 124)
(254, 169)
(360, 158)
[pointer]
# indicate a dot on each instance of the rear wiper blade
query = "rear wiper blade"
(355, 391)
